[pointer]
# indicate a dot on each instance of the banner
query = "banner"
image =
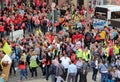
(7, 48)
(16, 34)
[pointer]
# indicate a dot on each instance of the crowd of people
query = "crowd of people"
(64, 48)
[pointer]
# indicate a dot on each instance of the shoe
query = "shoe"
(46, 79)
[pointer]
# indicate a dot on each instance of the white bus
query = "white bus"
(103, 13)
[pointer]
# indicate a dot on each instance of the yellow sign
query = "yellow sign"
(7, 48)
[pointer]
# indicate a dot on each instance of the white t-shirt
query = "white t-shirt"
(58, 46)
(117, 74)
(96, 63)
(6, 58)
(65, 61)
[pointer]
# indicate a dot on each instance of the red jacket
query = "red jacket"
(74, 37)
(111, 52)
(79, 36)
(1, 28)
(74, 58)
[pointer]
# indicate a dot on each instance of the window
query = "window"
(115, 15)
(101, 13)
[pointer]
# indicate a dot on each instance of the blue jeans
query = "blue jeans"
(26, 71)
(52, 78)
(94, 74)
(78, 73)
(34, 70)
(47, 72)
(23, 73)
(104, 77)
(29, 27)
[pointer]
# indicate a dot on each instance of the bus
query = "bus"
(104, 13)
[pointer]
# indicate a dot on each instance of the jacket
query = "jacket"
(59, 70)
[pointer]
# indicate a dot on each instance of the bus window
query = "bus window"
(115, 15)
(101, 13)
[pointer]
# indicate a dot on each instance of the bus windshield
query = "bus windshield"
(100, 13)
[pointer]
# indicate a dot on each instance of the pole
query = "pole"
(53, 15)
(1, 4)
(87, 16)
(53, 19)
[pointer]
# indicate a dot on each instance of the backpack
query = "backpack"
(93, 64)
(52, 69)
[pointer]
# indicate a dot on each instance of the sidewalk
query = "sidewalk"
(37, 80)
(89, 76)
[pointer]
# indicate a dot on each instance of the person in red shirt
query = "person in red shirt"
(73, 57)
(111, 53)
(47, 63)
(97, 37)
(79, 36)
(74, 37)
(1, 30)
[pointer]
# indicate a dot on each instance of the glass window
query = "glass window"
(115, 15)
(101, 13)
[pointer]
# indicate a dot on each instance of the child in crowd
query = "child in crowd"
(22, 67)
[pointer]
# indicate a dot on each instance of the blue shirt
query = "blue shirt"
(103, 68)
(2, 80)
(114, 34)
(72, 68)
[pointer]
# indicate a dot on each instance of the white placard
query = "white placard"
(16, 34)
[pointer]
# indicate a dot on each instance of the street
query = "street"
(41, 78)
